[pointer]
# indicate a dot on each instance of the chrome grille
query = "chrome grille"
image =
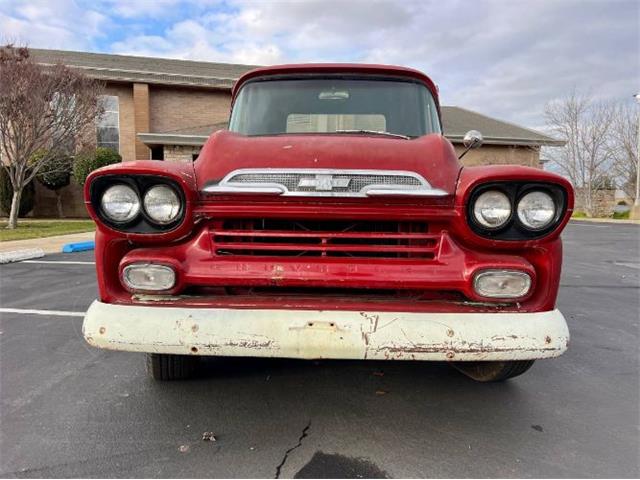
(355, 183)
(323, 182)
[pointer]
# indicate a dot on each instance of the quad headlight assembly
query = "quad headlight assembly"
(515, 211)
(138, 204)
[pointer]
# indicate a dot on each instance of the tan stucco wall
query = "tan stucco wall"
(180, 153)
(603, 202)
(175, 109)
(501, 155)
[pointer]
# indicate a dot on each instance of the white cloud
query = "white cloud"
(501, 57)
(192, 41)
(40, 23)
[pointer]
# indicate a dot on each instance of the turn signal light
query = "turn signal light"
(148, 277)
(502, 283)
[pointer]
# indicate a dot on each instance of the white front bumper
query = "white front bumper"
(326, 334)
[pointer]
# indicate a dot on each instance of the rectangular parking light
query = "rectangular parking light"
(502, 283)
(148, 277)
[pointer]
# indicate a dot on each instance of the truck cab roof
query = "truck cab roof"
(338, 68)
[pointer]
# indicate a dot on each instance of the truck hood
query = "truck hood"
(430, 156)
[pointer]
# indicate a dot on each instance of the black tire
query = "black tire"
(493, 371)
(164, 367)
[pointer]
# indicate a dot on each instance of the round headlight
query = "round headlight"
(162, 204)
(492, 209)
(536, 210)
(120, 203)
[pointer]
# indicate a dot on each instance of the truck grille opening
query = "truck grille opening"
(325, 238)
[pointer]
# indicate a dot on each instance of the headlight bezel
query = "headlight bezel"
(529, 191)
(104, 211)
(479, 223)
(514, 229)
(142, 223)
(146, 208)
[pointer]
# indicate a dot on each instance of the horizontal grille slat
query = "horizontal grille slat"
(283, 233)
(266, 237)
(319, 248)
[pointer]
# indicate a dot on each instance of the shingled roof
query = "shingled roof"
(457, 121)
(153, 70)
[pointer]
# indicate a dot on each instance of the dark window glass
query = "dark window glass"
(326, 105)
(108, 125)
(107, 135)
(157, 153)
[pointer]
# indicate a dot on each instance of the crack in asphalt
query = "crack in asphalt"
(305, 431)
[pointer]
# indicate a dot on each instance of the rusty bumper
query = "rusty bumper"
(326, 334)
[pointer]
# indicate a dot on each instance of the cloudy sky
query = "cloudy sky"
(505, 58)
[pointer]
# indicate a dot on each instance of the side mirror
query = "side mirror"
(471, 139)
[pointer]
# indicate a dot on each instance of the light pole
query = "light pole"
(636, 204)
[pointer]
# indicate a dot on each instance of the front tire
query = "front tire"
(493, 371)
(163, 367)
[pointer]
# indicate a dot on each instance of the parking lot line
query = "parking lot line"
(27, 311)
(60, 262)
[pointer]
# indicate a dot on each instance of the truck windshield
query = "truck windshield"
(334, 105)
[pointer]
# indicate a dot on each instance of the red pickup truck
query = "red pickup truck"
(331, 220)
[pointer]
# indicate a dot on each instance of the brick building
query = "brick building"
(165, 109)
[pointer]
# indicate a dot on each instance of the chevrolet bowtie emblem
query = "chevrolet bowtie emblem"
(324, 182)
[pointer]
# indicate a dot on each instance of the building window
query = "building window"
(108, 127)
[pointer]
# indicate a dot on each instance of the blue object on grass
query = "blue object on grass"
(78, 247)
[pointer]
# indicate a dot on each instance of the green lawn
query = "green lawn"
(28, 228)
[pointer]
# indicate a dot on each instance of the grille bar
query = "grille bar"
(287, 247)
(289, 238)
(284, 233)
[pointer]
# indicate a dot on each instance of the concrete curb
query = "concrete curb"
(620, 221)
(19, 255)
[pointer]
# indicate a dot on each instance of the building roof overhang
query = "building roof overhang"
(157, 71)
(156, 139)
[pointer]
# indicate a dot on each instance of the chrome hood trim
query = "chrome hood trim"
(323, 182)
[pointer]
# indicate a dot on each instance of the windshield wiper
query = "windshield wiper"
(374, 132)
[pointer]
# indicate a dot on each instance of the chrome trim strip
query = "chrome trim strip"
(386, 192)
(228, 186)
(244, 188)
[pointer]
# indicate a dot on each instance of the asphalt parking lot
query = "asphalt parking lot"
(69, 410)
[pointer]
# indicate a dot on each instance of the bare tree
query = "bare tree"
(586, 159)
(624, 146)
(41, 109)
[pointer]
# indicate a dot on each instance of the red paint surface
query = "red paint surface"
(432, 156)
